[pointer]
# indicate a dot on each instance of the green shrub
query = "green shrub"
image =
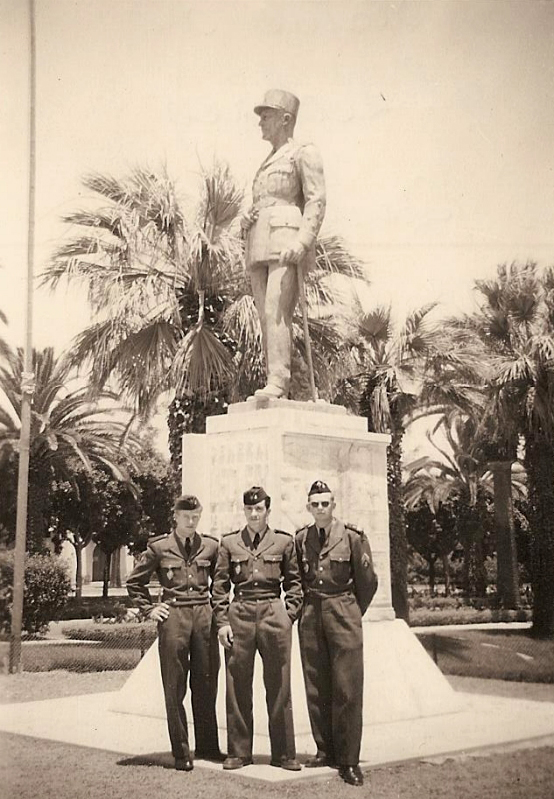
(425, 617)
(46, 589)
(122, 635)
(92, 607)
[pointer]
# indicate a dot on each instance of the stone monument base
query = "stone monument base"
(285, 446)
(401, 682)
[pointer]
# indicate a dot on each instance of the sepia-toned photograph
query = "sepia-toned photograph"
(277, 399)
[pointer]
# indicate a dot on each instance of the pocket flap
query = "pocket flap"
(339, 557)
(285, 216)
(171, 563)
(238, 559)
(273, 558)
(204, 563)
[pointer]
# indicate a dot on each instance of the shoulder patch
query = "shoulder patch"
(282, 532)
(354, 528)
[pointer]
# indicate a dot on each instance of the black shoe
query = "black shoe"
(318, 761)
(215, 757)
(236, 762)
(288, 763)
(351, 774)
(184, 764)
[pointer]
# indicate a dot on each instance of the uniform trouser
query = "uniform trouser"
(331, 648)
(188, 642)
(263, 626)
(275, 291)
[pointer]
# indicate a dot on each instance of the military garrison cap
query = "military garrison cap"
(319, 487)
(282, 100)
(254, 495)
(187, 502)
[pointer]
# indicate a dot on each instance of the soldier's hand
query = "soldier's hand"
(292, 255)
(247, 220)
(225, 635)
(159, 612)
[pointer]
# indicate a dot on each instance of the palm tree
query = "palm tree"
(516, 319)
(66, 427)
(385, 376)
(462, 475)
(171, 300)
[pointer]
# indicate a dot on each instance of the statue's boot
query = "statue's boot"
(271, 391)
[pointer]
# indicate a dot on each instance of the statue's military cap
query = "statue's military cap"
(281, 100)
(319, 487)
(254, 495)
(187, 502)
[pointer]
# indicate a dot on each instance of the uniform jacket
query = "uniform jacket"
(259, 574)
(184, 582)
(344, 564)
(289, 194)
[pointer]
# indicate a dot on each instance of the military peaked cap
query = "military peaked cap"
(254, 495)
(277, 98)
(187, 502)
(319, 487)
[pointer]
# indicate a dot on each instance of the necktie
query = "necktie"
(256, 541)
(188, 548)
(321, 537)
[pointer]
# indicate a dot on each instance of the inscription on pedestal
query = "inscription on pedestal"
(237, 461)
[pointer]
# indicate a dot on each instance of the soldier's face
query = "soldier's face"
(257, 516)
(321, 506)
(186, 521)
(272, 124)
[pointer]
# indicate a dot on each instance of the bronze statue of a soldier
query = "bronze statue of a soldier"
(280, 231)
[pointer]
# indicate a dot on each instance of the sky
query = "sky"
(435, 121)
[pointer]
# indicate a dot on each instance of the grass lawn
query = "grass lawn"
(33, 768)
(492, 654)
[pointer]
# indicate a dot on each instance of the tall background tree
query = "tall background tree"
(66, 427)
(516, 320)
(173, 313)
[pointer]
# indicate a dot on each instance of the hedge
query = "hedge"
(46, 590)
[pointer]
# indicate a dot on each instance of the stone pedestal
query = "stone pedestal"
(285, 446)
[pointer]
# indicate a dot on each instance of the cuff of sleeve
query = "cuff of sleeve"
(306, 239)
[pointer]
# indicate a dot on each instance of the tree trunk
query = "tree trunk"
(106, 574)
(115, 571)
(507, 582)
(79, 571)
(397, 527)
(446, 570)
(431, 563)
(539, 461)
(472, 536)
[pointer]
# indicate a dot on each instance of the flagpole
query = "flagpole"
(27, 378)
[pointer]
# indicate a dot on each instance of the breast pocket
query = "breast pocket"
(272, 566)
(239, 570)
(170, 572)
(340, 567)
(202, 571)
(281, 179)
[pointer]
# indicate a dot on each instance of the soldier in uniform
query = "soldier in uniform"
(280, 230)
(260, 563)
(184, 562)
(339, 583)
